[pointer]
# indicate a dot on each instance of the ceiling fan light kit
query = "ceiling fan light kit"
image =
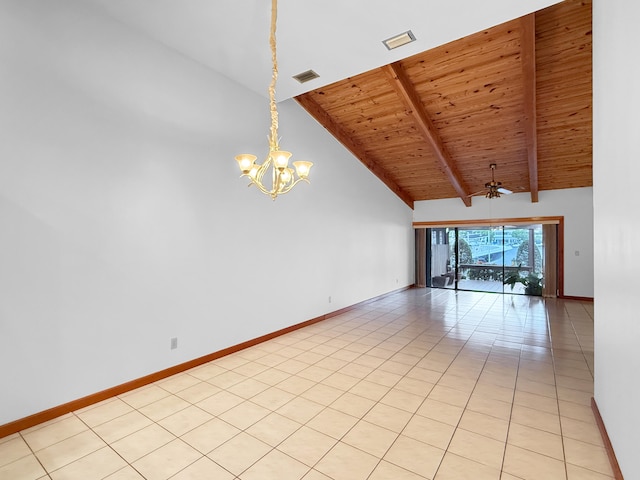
(495, 189)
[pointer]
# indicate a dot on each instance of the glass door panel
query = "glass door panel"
(480, 259)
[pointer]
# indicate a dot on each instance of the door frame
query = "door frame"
(492, 222)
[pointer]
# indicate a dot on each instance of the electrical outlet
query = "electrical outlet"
(174, 343)
(329, 298)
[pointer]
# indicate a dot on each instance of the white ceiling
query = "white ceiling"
(335, 38)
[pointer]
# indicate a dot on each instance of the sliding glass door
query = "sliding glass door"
(504, 259)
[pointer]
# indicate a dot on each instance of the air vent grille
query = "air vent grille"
(399, 40)
(305, 77)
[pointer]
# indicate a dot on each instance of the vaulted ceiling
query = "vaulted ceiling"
(518, 95)
(428, 118)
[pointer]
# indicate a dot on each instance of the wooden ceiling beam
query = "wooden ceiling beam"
(317, 112)
(410, 98)
(528, 57)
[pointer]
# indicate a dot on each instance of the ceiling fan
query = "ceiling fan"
(495, 189)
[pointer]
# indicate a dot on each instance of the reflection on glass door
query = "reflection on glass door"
(504, 259)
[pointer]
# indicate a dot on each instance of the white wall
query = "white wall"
(616, 230)
(124, 223)
(576, 205)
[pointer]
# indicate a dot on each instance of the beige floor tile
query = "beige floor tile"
(536, 440)
(371, 390)
(322, 394)
(449, 395)
(583, 431)
(388, 417)
(340, 381)
(295, 385)
(414, 386)
(181, 422)
(122, 426)
(386, 471)
(248, 388)
(331, 363)
(300, 409)
(142, 442)
(454, 467)
(104, 412)
(25, 468)
(307, 445)
(226, 379)
(332, 422)
(206, 371)
(244, 415)
(529, 465)
(210, 435)
(483, 424)
(272, 398)
(353, 404)
(13, 449)
(477, 448)
(537, 402)
(239, 453)
(275, 465)
(316, 374)
(538, 388)
(582, 413)
(198, 392)
(167, 460)
(126, 473)
(402, 400)
(54, 432)
(272, 376)
(69, 450)
(164, 407)
(144, 396)
(424, 374)
(343, 462)
(576, 396)
(370, 438)
(220, 402)
(536, 419)
(442, 412)
(494, 392)
(99, 464)
(291, 366)
(251, 369)
(315, 475)
(178, 382)
(586, 455)
(415, 456)
(273, 429)
(203, 469)
(429, 431)
(578, 473)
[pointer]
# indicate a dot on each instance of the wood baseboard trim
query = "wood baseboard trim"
(581, 299)
(617, 473)
(54, 412)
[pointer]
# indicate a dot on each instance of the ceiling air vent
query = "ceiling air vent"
(307, 76)
(399, 40)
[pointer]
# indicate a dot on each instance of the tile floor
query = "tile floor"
(423, 384)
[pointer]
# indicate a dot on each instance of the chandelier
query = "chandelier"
(283, 178)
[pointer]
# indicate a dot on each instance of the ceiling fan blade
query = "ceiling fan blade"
(479, 192)
(505, 191)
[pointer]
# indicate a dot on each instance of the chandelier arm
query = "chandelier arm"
(293, 184)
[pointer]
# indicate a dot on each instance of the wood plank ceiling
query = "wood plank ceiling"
(518, 95)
